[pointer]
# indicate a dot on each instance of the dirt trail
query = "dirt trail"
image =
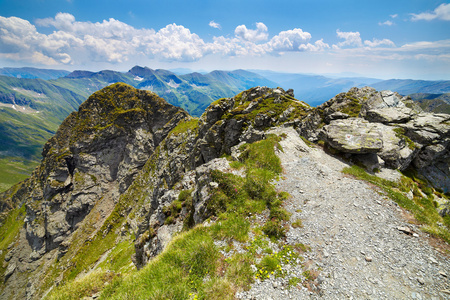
(352, 230)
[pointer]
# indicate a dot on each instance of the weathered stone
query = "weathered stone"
(389, 115)
(337, 115)
(251, 135)
(353, 136)
(406, 230)
(9, 270)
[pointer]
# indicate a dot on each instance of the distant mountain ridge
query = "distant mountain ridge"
(33, 73)
(316, 89)
(409, 86)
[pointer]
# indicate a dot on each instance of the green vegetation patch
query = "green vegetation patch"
(352, 106)
(177, 273)
(422, 207)
(84, 287)
(272, 264)
(185, 126)
(14, 170)
(9, 230)
(269, 106)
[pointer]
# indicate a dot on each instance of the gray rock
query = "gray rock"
(10, 270)
(353, 136)
(389, 115)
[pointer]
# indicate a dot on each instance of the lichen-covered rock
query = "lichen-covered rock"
(353, 136)
(389, 115)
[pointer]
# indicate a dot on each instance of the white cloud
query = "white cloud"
(113, 42)
(175, 42)
(376, 43)
(290, 40)
(442, 12)
(351, 39)
(387, 23)
(252, 35)
(394, 16)
(215, 25)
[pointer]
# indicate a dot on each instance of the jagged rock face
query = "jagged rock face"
(186, 158)
(107, 142)
(89, 163)
(390, 126)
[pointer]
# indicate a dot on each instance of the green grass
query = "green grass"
(297, 224)
(272, 264)
(84, 287)
(400, 133)
(184, 126)
(231, 226)
(423, 208)
(266, 106)
(174, 274)
(14, 170)
(9, 230)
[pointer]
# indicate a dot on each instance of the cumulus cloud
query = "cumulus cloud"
(215, 25)
(252, 35)
(289, 40)
(351, 39)
(175, 42)
(394, 16)
(112, 41)
(442, 12)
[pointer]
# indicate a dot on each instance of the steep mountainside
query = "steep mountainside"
(438, 103)
(127, 172)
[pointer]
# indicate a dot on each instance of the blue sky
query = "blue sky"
(384, 39)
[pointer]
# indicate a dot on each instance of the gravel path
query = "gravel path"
(356, 247)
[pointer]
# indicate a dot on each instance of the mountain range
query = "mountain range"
(34, 102)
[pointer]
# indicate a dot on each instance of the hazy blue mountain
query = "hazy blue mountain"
(409, 86)
(314, 89)
(241, 79)
(33, 73)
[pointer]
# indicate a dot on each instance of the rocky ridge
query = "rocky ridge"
(115, 169)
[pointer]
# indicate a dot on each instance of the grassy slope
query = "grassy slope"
(24, 134)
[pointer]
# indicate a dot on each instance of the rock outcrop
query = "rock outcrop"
(388, 125)
(129, 167)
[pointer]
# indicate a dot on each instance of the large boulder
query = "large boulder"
(353, 136)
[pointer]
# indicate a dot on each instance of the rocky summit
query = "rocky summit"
(128, 179)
